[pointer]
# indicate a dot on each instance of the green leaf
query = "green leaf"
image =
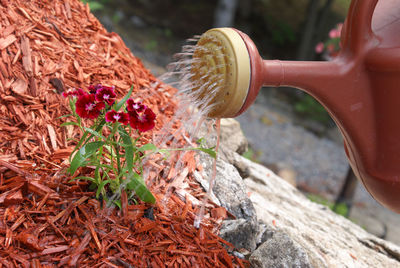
(95, 5)
(201, 141)
(129, 149)
(101, 187)
(72, 105)
(122, 102)
(83, 153)
(83, 178)
(84, 140)
(94, 133)
(67, 115)
(137, 184)
(209, 151)
(148, 147)
(117, 203)
(69, 124)
(108, 167)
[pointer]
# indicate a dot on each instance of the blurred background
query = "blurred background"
(288, 131)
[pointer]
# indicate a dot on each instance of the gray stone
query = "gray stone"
(232, 137)
(279, 251)
(328, 239)
(231, 191)
(241, 233)
(303, 232)
(228, 188)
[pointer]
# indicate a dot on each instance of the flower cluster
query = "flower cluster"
(332, 46)
(102, 98)
(117, 155)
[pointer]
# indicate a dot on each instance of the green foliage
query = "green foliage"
(340, 209)
(308, 106)
(282, 33)
(151, 45)
(252, 155)
(95, 5)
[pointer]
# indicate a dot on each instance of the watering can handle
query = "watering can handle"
(358, 29)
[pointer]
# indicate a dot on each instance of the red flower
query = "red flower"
(142, 121)
(133, 106)
(86, 106)
(105, 94)
(73, 92)
(113, 116)
(93, 88)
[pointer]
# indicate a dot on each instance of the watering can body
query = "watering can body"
(360, 89)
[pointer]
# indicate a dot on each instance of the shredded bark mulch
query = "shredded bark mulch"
(46, 48)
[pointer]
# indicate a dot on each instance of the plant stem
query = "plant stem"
(116, 146)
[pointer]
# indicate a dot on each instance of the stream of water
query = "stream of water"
(194, 95)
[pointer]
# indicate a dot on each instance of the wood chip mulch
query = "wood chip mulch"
(46, 48)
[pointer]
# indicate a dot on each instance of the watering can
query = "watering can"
(360, 88)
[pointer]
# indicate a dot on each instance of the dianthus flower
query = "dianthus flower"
(133, 106)
(73, 92)
(93, 88)
(87, 107)
(106, 94)
(142, 121)
(113, 116)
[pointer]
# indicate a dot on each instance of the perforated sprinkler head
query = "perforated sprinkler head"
(221, 72)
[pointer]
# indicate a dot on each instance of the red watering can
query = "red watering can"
(360, 88)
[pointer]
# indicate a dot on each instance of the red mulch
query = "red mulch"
(47, 47)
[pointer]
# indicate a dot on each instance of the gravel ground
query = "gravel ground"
(319, 163)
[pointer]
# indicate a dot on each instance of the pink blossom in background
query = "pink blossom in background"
(319, 47)
(334, 33)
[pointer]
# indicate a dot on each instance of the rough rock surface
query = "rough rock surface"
(325, 238)
(229, 189)
(279, 250)
(241, 233)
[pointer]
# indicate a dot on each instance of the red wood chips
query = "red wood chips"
(48, 47)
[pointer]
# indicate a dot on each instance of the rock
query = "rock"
(279, 250)
(287, 173)
(365, 219)
(231, 191)
(298, 232)
(329, 240)
(232, 137)
(241, 233)
(228, 188)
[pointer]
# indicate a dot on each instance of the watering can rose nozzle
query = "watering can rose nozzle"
(359, 88)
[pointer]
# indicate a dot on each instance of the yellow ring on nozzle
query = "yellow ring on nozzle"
(222, 63)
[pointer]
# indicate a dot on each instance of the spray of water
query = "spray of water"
(198, 83)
